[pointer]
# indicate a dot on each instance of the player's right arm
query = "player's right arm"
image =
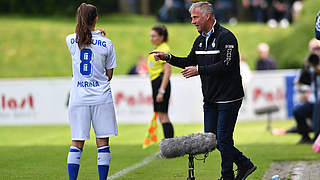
(71, 43)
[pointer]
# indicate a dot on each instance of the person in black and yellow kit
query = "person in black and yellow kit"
(159, 72)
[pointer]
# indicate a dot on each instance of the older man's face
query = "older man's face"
(199, 21)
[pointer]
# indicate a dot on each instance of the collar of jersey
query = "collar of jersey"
(161, 45)
(96, 32)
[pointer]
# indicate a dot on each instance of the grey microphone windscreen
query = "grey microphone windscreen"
(193, 144)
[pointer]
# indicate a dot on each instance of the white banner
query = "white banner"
(266, 90)
(133, 99)
(43, 100)
(34, 101)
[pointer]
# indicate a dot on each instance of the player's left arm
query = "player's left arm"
(109, 74)
(229, 57)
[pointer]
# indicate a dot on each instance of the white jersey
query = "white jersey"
(90, 84)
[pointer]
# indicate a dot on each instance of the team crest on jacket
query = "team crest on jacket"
(200, 45)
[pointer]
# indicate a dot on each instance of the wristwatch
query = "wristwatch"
(161, 91)
(168, 58)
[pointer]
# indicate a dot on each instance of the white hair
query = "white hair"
(263, 47)
(205, 8)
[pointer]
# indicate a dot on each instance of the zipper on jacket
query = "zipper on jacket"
(205, 75)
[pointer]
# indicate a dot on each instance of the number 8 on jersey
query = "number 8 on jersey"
(85, 65)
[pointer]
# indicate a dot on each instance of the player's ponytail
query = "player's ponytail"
(86, 15)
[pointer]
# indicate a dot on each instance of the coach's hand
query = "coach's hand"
(159, 55)
(190, 71)
(159, 98)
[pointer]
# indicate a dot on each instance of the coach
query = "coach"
(215, 57)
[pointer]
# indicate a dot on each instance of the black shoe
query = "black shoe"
(293, 129)
(244, 172)
(222, 178)
(315, 137)
(305, 140)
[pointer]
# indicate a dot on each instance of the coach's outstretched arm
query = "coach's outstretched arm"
(181, 62)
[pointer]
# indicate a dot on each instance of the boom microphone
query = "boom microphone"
(193, 144)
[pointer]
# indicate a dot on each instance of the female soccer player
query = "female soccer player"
(93, 60)
(159, 72)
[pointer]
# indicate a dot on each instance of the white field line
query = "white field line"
(125, 171)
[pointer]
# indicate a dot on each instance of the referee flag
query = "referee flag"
(151, 135)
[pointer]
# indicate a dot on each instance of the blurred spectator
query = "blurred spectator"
(314, 63)
(141, 68)
(257, 7)
(304, 78)
(225, 10)
(314, 46)
(303, 81)
(245, 71)
(265, 61)
(296, 9)
(173, 11)
(279, 13)
(308, 110)
(188, 4)
(246, 76)
(133, 6)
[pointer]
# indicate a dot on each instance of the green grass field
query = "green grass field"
(35, 47)
(40, 152)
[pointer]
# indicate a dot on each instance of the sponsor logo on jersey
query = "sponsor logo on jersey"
(88, 84)
(94, 42)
